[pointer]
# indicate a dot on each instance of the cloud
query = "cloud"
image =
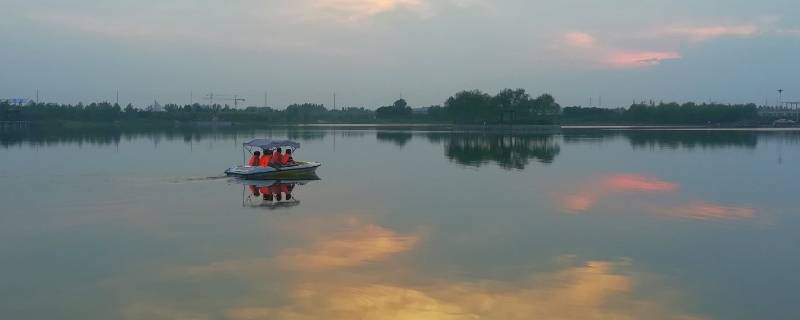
(590, 48)
(633, 59)
(705, 33)
(788, 31)
(159, 33)
(354, 10)
(579, 40)
(654, 45)
(705, 211)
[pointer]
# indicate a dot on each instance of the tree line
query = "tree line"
(509, 106)
(665, 113)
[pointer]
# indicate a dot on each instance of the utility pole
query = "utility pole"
(265, 99)
(334, 101)
(37, 96)
(236, 100)
(117, 100)
(191, 97)
(780, 97)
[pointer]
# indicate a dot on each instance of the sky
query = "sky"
(370, 52)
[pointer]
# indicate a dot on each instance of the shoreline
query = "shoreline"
(510, 128)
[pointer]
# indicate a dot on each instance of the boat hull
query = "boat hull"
(303, 170)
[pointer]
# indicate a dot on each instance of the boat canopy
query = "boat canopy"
(267, 144)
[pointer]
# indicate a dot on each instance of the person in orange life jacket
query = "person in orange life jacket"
(275, 160)
(254, 160)
(287, 157)
(265, 159)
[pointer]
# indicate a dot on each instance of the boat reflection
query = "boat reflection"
(271, 194)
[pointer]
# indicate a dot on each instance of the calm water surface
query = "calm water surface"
(588, 224)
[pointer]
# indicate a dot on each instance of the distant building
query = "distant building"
(15, 101)
(421, 110)
(155, 107)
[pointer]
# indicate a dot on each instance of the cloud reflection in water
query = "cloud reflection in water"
(592, 290)
(590, 193)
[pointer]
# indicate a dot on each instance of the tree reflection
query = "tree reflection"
(400, 138)
(508, 151)
(681, 139)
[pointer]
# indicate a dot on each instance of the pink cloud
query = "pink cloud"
(634, 182)
(353, 10)
(578, 202)
(698, 34)
(706, 211)
(579, 39)
(591, 192)
(633, 59)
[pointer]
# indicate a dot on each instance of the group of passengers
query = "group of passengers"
(275, 160)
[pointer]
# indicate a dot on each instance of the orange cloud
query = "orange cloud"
(579, 39)
(706, 211)
(698, 34)
(362, 243)
(633, 59)
(595, 290)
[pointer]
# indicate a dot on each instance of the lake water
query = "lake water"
(587, 224)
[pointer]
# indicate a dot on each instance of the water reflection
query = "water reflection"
(44, 136)
(588, 290)
(346, 266)
(271, 194)
(628, 190)
(682, 139)
(399, 138)
(508, 151)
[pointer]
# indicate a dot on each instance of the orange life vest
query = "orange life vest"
(287, 158)
(264, 161)
(254, 161)
(276, 158)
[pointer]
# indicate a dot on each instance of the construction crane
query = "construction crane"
(223, 97)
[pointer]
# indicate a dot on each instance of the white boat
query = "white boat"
(296, 170)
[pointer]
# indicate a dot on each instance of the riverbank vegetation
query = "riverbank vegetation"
(509, 106)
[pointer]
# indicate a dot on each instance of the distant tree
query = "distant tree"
(399, 109)
(469, 106)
